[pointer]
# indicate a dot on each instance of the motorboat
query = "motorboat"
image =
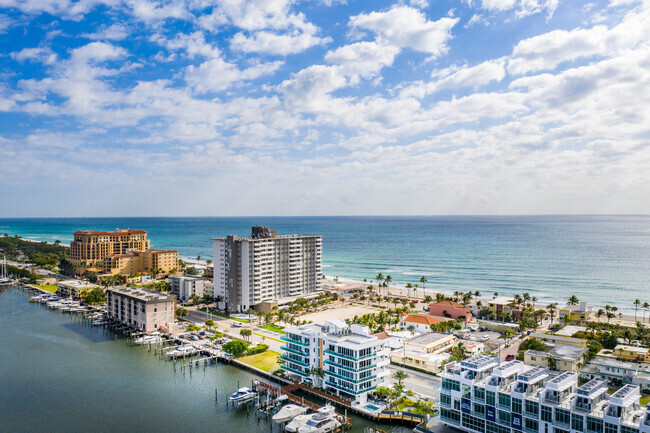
(297, 422)
(182, 351)
(289, 412)
(322, 421)
(242, 394)
(153, 338)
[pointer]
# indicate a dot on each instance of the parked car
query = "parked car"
(236, 325)
(510, 357)
(485, 338)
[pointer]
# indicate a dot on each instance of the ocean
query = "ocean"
(600, 259)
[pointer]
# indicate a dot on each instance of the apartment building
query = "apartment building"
(119, 252)
(480, 395)
(141, 309)
(266, 267)
(74, 288)
(345, 360)
(185, 286)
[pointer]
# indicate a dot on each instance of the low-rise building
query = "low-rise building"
(565, 357)
(345, 360)
(420, 322)
(627, 353)
(432, 342)
(579, 314)
(614, 371)
(559, 339)
(482, 395)
(185, 286)
(450, 309)
(141, 309)
(74, 288)
(431, 362)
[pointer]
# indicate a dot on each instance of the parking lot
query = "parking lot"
(492, 337)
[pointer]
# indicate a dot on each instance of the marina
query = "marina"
(88, 366)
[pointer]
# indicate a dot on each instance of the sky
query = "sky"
(324, 107)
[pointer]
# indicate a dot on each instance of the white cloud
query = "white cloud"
(550, 49)
(152, 11)
(254, 15)
(403, 26)
(114, 32)
(40, 54)
(191, 45)
(522, 8)
(276, 44)
(362, 58)
(5, 23)
(216, 75)
(67, 9)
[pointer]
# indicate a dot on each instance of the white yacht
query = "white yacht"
(153, 338)
(323, 421)
(182, 351)
(289, 412)
(297, 422)
(242, 394)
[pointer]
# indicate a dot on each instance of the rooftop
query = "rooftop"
(569, 330)
(116, 232)
(480, 362)
(501, 300)
(431, 337)
(567, 353)
(450, 303)
(142, 295)
(593, 387)
(533, 375)
(609, 362)
(77, 283)
(421, 319)
(636, 349)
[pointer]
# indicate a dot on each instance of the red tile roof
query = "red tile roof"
(422, 320)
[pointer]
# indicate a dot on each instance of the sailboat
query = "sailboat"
(4, 278)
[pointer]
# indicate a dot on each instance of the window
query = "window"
(504, 417)
(479, 393)
(516, 405)
(562, 417)
(479, 409)
(445, 400)
(450, 384)
(449, 416)
(473, 423)
(531, 425)
(490, 398)
(594, 425)
(467, 391)
(532, 408)
(611, 428)
(491, 427)
(626, 429)
(547, 414)
(504, 401)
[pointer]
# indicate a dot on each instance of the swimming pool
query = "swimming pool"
(371, 407)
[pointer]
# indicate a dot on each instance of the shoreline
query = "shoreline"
(401, 291)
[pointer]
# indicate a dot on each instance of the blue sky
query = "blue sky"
(324, 107)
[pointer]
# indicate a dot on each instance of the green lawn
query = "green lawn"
(267, 361)
(48, 287)
(645, 399)
(274, 328)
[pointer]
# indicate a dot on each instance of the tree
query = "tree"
(209, 323)
(552, 363)
(423, 280)
(636, 303)
(246, 333)
(495, 295)
(506, 335)
(96, 296)
(552, 308)
(459, 351)
(573, 300)
(641, 331)
(235, 347)
(181, 312)
(600, 313)
(198, 258)
(645, 307)
(208, 262)
(411, 329)
(400, 376)
(388, 280)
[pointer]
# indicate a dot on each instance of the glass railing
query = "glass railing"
(294, 370)
(345, 367)
(289, 340)
(292, 350)
(301, 362)
(345, 389)
(359, 358)
(350, 379)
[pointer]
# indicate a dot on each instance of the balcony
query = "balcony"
(294, 370)
(340, 355)
(345, 389)
(345, 367)
(350, 379)
(289, 340)
(292, 350)
(301, 362)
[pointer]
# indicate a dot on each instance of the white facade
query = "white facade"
(186, 286)
(74, 288)
(248, 271)
(480, 395)
(352, 361)
(141, 309)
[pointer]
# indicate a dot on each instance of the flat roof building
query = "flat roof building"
(141, 309)
(74, 288)
(353, 362)
(266, 267)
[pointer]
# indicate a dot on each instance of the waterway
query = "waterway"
(58, 374)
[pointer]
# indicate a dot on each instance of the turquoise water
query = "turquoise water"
(602, 259)
(57, 374)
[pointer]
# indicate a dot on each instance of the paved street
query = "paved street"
(420, 383)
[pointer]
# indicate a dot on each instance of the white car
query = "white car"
(485, 338)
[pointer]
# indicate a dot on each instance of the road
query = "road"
(420, 383)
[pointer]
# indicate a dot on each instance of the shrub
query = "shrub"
(258, 349)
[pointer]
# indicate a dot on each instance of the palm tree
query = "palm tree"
(551, 309)
(379, 278)
(573, 300)
(636, 307)
(552, 363)
(495, 295)
(409, 286)
(198, 258)
(534, 299)
(641, 331)
(423, 280)
(387, 280)
(400, 376)
(411, 329)
(459, 351)
(600, 313)
(645, 307)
